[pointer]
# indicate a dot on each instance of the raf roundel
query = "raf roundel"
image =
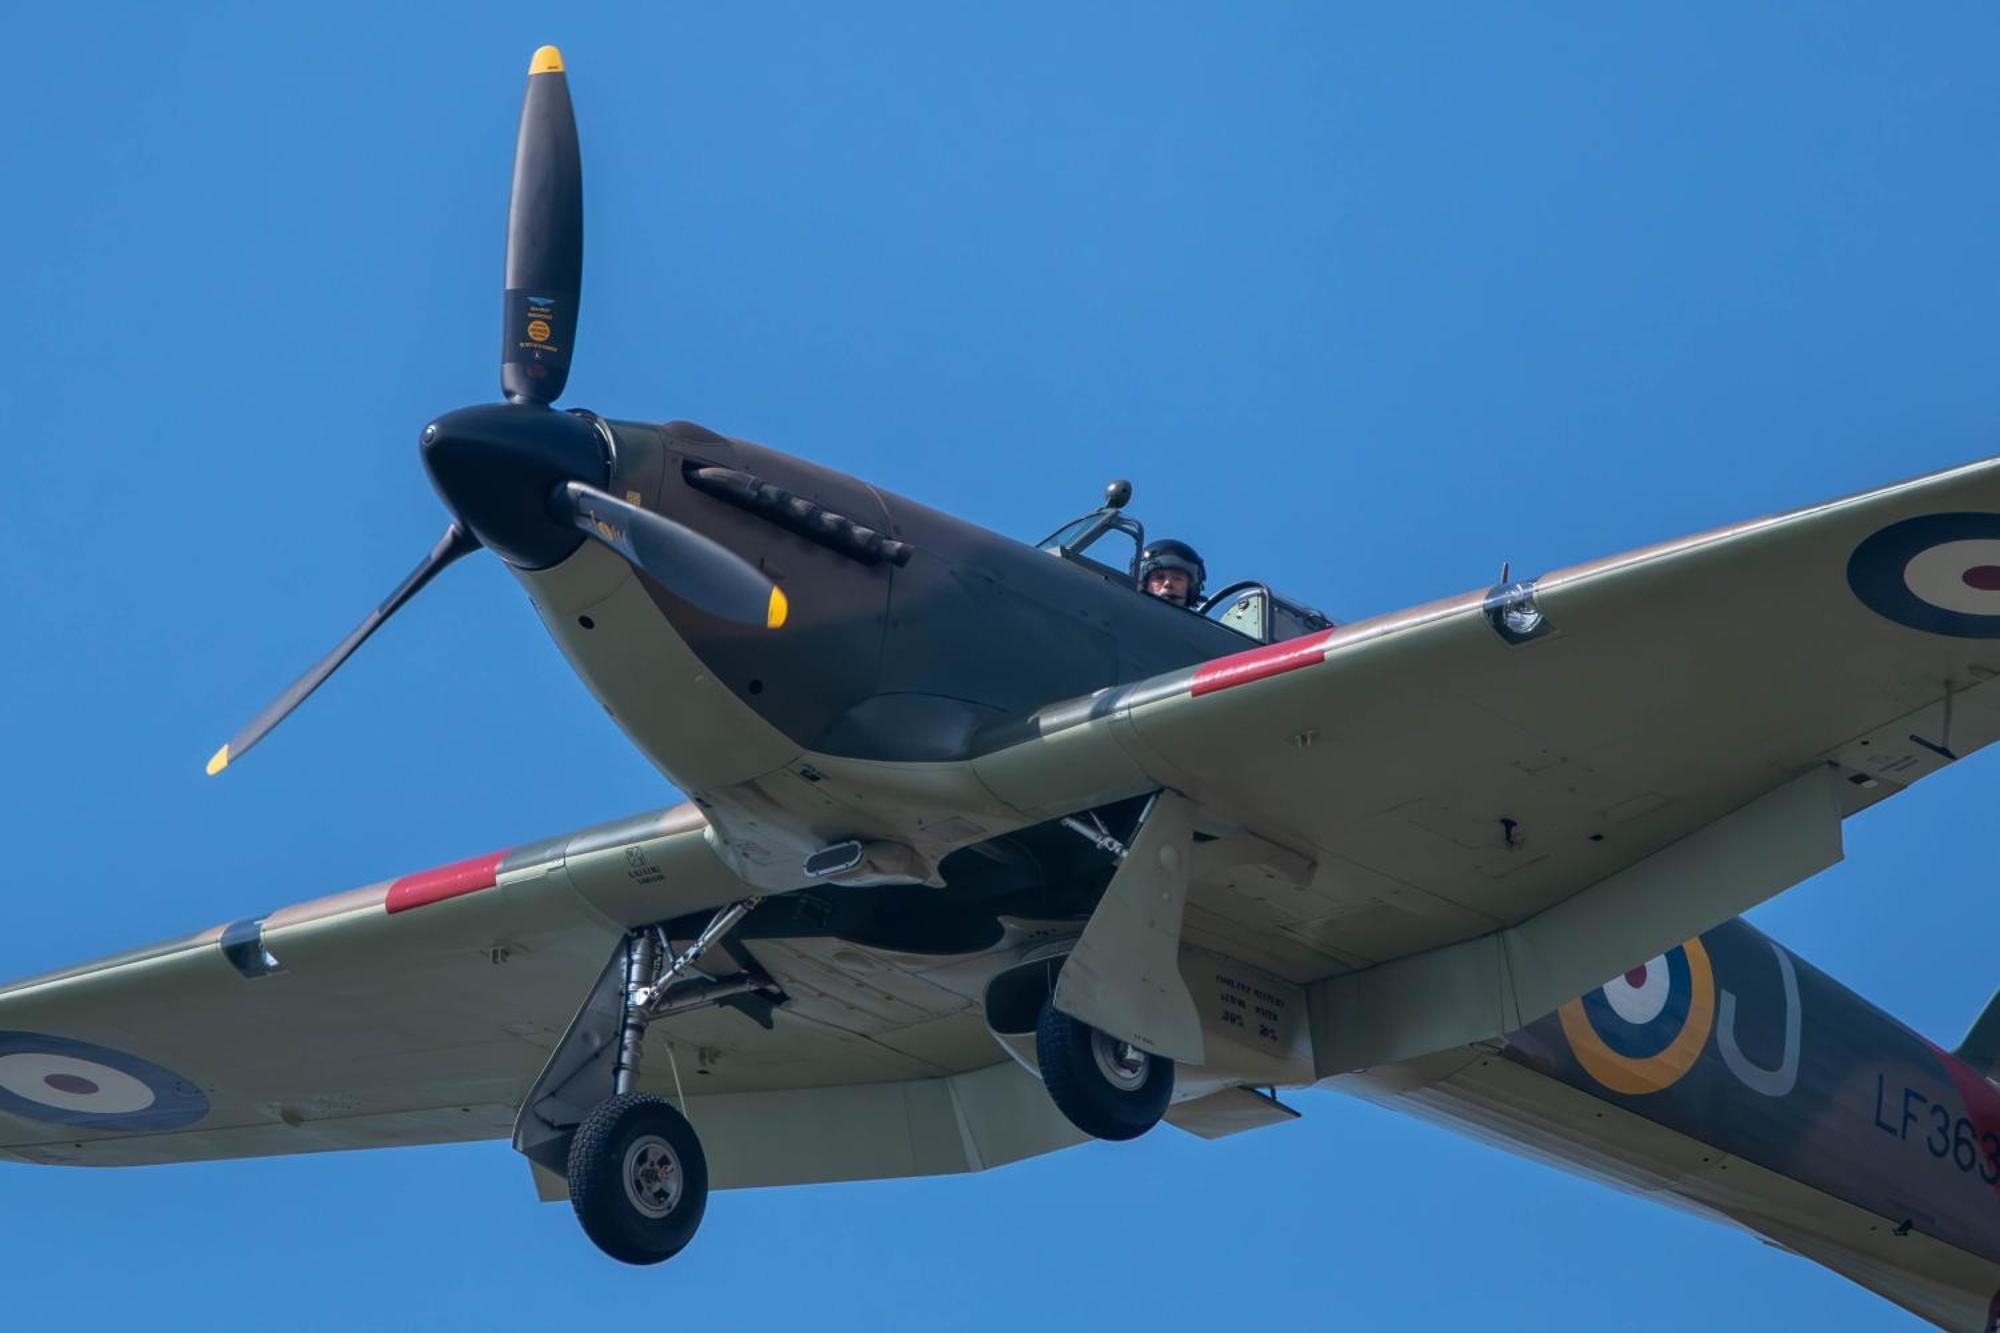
(67, 1082)
(1642, 1031)
(1939, 573)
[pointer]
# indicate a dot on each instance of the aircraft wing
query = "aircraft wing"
(1394, 786)
(421, 1010)
(1401, 803)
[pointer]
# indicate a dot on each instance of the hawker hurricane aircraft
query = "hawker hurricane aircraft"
(988, 852)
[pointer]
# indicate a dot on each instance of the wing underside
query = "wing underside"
(421, 1010)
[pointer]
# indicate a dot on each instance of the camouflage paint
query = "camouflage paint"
(912, 661)
(1732, 1041)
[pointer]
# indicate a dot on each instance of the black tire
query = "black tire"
(629, 1207)
(1077, 1063)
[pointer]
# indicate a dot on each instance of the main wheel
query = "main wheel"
(1109, 1089)
(637, 1178)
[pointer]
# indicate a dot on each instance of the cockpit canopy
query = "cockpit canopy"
(1107, 541)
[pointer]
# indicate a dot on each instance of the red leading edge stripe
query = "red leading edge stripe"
(1257, 663)
(442, 882)
(482, 872)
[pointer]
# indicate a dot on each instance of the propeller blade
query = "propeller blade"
(687, 564)
(454, 545)
(544, 240)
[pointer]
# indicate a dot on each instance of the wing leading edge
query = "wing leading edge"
(421, 1009)
(413, 1010)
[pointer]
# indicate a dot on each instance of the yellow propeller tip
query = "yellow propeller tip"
(547, 60)
(218, 761)
(774, 614)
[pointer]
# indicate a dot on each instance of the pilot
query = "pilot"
(1171, 571)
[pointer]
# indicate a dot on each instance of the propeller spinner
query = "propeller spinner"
(521, 480)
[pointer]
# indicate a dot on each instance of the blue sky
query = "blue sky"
(1365, 302)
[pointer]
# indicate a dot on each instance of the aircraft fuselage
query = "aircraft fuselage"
(1734, 1078)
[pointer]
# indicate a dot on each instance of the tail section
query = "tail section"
(1742, 1082)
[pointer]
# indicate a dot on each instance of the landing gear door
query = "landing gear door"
(578, 1073)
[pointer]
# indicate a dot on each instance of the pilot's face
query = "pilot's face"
(1169, 585)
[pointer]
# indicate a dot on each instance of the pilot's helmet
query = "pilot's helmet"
(1171, 554)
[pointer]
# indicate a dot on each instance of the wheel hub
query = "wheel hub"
(1123, 1065)
(652, 1175)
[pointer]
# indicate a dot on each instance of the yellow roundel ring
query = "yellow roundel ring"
(1640, 1040)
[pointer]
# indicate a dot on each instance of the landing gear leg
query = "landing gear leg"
(642, 964)
(1121, 1013)
(637, 1176)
